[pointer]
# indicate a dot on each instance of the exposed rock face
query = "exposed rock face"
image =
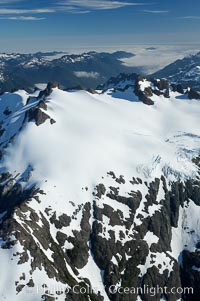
(48, 90)
(42, 105)
(192, 94)
(178, 88)
(36, 113)
(122, 253)
(161, 84)
(38, 116)
(157, 87)
(145, 95)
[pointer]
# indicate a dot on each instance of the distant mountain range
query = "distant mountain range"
(185, 71)
(86, 70)
(19, 71)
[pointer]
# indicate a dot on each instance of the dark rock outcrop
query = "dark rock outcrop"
(145, 95)
(192, 94)
(37, 115)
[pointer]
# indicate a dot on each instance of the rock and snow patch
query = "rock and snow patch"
(187, 234)
(95, 136)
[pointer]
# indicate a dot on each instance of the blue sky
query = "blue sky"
(67, 24)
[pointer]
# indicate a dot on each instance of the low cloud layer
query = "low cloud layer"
(85, 74)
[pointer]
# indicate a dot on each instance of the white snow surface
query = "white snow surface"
(151, 238)
(94, 134)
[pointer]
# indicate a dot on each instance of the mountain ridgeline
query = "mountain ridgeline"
(184, 71)
(24, 71)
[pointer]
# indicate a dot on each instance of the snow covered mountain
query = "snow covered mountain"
(24, 71)
(185, 71)
(100, 193)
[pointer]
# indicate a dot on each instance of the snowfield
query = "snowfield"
(93, 135)
(113, 134)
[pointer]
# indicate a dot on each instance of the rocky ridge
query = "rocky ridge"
(145, 89)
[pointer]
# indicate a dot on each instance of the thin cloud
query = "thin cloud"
(96, 4)
(155, 11)
(9, 1)
(190, 18)
(64, 6)
(71, 9)
(80, 11)
(10, 11)
(23, 18)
